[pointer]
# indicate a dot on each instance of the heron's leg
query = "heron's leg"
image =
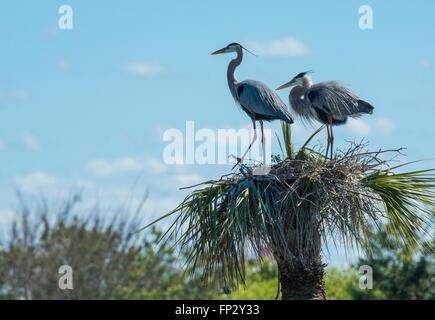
(332, 142)
(329, 140)
(263, 143)
(331, 137)
(239, 160)
(253, 139)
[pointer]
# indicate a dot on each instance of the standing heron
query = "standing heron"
(327, 102)
(254, 97)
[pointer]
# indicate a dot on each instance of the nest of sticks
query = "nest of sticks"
(299, 205)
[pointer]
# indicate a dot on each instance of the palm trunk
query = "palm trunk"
(300, 282)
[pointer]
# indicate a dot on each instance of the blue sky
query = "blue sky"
(87, 107)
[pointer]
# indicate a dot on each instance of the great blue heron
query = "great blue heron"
(327, 102)
(254, 97)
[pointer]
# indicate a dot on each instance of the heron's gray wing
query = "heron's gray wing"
(260, 99)
(334, 99)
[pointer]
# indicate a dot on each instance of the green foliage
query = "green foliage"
(261, 282)
(343, 284)
(113, 263)
(338, 281)
(409, 202)
(4, 294)
(110, 260)
(398, 273)
(286, 133)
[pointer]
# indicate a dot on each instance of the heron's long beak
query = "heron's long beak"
(219, 51)
(286, 85)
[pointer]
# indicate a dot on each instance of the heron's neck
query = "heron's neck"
(307, 83)
(299, 92)
(232, 81)
(298, 101)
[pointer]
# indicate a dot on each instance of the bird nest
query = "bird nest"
(300, 204)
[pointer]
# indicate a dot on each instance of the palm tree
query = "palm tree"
(305, 202)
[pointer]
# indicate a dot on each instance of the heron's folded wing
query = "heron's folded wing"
(260, 99)
(334, 99)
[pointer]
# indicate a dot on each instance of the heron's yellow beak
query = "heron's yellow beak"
(286, 85)
(219, 51)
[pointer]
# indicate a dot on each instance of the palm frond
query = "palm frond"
(408, 199)
(300, 204)
(286, 133)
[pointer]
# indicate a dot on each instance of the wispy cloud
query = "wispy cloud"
(145, 69)
(185, 180)
(20, 94)
(32, 182)
(286, 47)
(359, 127)
(31, 142)
(379, 126)
(111, 182)
(385, 125)
(106, 168)
(155, 165)
(62, 64)
(2, 145)
(425, 63)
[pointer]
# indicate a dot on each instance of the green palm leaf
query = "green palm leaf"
(302, 202)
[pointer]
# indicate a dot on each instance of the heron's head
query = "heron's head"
(297, 80)
(232, 47)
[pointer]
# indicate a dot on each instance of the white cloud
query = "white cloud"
(378, 126)
(106, 168)
(286, 47)
(186, 180)
(385, 125)
(425, 63)
(2, 145)
(358, 127)
(32, 182)
(145, 69)
(155, 165)
(112, 188)
(100, 167)
(31, 142)
(62, 64)
(85, 184)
